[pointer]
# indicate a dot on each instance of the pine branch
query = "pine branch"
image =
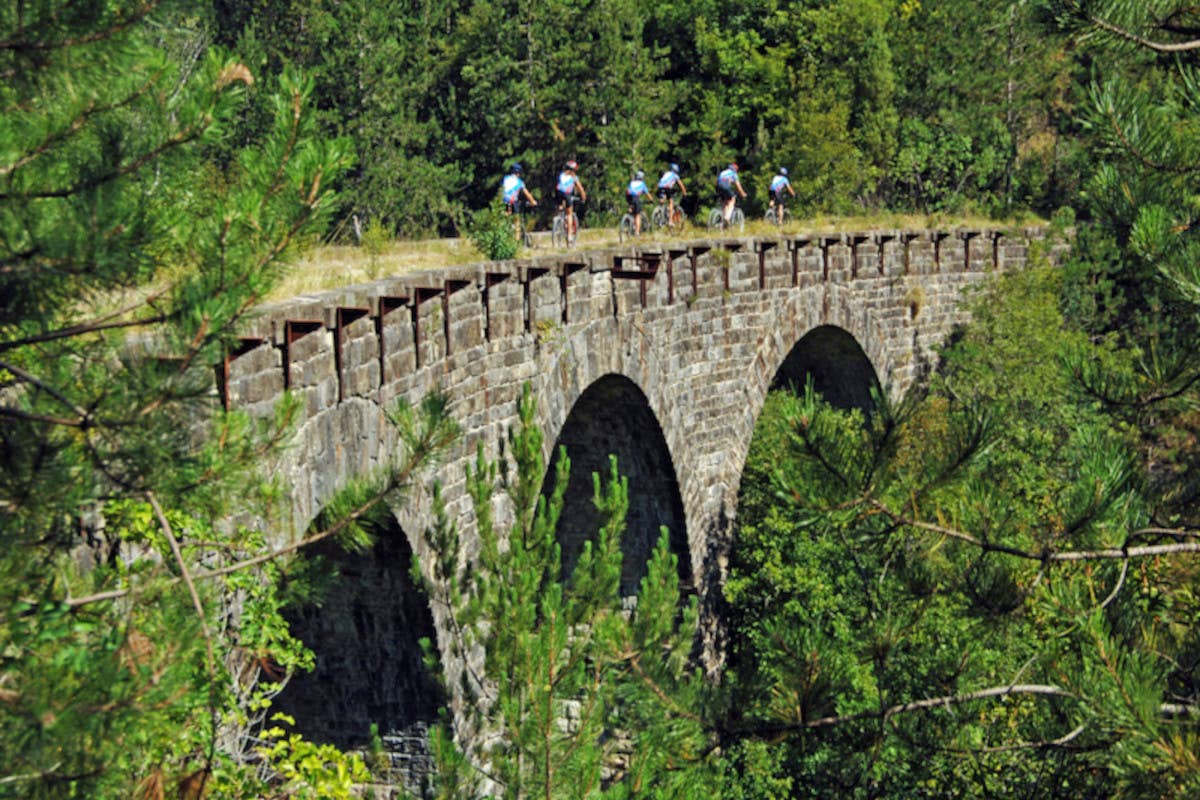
(183, 137)
(1146, 161)
(165, 525)
(439, 440)
(1141, 41)
(92, 110)
(26, 44)
(84, 417)
(1049, 554)
(106, 323)
(945, 701)
(1061, 741)
(16, 413)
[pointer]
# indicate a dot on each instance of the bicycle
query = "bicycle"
(523, 235)
(659, 218)
(737, 220)
(778, 215)
(627, 227)
(563, 234)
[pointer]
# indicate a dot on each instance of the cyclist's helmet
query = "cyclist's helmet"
(783, 171)
(571, 165)
(674, 167)
(639, 175)
(733, 166)
(515, 169)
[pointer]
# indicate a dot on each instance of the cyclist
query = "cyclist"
(633, 195)
(727, 182)
(516, 196)
(668, 186)
(569, 192)
(779, 184)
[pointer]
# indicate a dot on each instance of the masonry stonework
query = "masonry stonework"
(695, 333)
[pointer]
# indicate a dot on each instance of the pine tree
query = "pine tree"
(574, 697)
(973, 574)
(141, 637)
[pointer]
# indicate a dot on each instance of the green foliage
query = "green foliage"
(931, 555)
(309, 771)
(984, 92)
(492, 232)
(869, 102)
(1136, 266)
(141, 635)
(575, 697)
(374, 240)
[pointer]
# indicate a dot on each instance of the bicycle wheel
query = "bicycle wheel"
(659, 217)
(770, 217)
(715, 219)
(784, 217)
(737, 220)
(558, 231)
(625, 231)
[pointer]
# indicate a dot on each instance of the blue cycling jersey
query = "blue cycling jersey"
(511, 186)
(668, 180)
(727, 178)
(779, 183)
(637, 188)
(566, 182)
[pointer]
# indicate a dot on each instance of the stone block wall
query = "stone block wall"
(701, 329)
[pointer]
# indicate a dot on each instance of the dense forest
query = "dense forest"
(872, 104)
(986, 588)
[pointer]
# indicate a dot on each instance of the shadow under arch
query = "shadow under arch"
(365, 631)
(836, 363)
(613, 416)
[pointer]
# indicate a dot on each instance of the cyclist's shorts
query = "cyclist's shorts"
(778, 197)
(516, 206)
(563, 199)
(635, 203)
(667, 192)
(724, 192)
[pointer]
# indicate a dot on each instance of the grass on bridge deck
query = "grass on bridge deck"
(330, 266)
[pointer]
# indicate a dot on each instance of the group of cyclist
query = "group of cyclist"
(569, 191)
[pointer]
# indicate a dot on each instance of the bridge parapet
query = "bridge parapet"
(355, 341)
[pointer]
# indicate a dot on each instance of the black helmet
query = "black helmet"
(515, 169)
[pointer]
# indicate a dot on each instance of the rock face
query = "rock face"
(662, 355)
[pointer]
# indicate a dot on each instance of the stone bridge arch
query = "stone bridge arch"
(700, 328)
(614, 417)
(364, 632)
(836, 364)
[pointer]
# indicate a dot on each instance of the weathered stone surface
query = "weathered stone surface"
(683, 346)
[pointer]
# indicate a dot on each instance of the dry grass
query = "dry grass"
(330, 266)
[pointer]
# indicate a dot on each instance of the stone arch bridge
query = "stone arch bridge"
(661, 353)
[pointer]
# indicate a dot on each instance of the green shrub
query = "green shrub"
(492, 232)
(375, 239)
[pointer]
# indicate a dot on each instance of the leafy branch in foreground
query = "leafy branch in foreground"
(140, 637)
(574, 697)
(992, 588)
